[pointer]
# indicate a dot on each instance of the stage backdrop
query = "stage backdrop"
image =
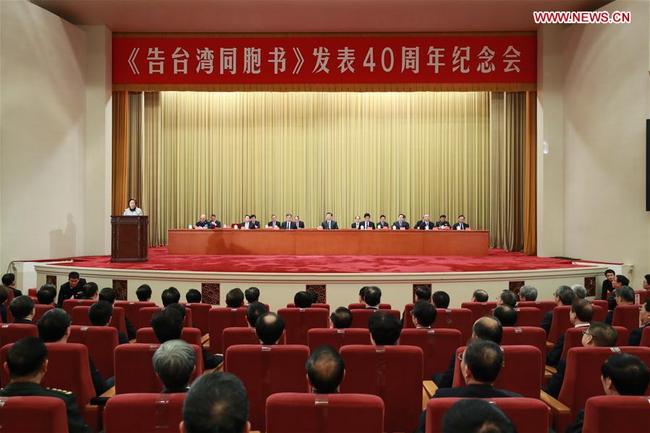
(233, 153)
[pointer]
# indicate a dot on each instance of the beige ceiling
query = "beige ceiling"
(310, 15)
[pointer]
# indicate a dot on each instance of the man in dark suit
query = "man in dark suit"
(644, 320)
(563, 296)
(214, 223)
(329, 223)
(298, 222)
(461, 224)
(442, 223)
(288, 223)
(27, 363)
(9, 281)
(624, 295)
(254, 223)
(71, 288)
(202, 223)
(100, 314)
(425, 223)
(580, 317)
(382, 224)
(401, 223)
(357, 223)
(366, 224)
(22, 308)
(274, 223)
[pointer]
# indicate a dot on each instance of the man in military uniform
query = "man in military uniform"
(27, 362)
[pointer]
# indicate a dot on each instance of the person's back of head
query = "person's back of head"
(235, 298)
(269, 328)
(506, 315)
(372, 296)
(100, 313)
(625, 374)
(143, 293)
(341, 318)
(483, 359)
(216, 403)
(488, 328)
(441, 299)
(107, 294)
(580, 291)
(174, 363)
(170, 296)
(46, 294)
(325, 370)
(302, 300)
(26, 358)
(89, 290)
(473, 415)
(167, 325)
(22, 307)
(180, 309)
(600, 334)
(384, 328)
(193, 296)
(565, 295)
(422, 293)
(508, 297)
(254, 311)
(480, 295)
(622, 280)
(252, 294)
(625, 294)
(53, 326)
(582, 310)
(528, 293)
(424, 313)
(362, 294)
(8, 279)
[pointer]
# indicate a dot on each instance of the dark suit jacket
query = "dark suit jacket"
(371, 225)
(355, 225)
(606, 289)
(271, 225)
(29, 322)
(404, 224)
(333, 223)
(553, 356)
(422, 225)
(441, 224)
(457, 226)
(381, 225)
(122, 338)
(635, 336)
(554, 384)
(205, 223)
(65, 292)
(609, 317)
(214, 225)
(251, 225)
(445, 380)
(284, 225)
(300, 225)
(546, 321)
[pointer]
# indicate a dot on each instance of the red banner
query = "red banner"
(463, 59)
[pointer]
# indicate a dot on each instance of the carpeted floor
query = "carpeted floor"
(496, 260)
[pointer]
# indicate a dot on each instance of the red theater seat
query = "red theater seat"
(617, 413)
(337, 338)
(32, 292)
(39, 310)
(393, 373)
(100, 341)
(626, 316)
(544, 306)
(189, 335)
(455, 318)
(521, 371)
(528, 316)
(200, 315)
(528, 415)
(324, 413)
(573, 338)
(438, 346)
(561, 322)
(645, 337)
(33, 415)
(132, 309)
(267, 370)
(240, 335)
(359, 305)
(314, 305)
(220, 319)
(134, 368)
(602, 303)
(408, 320)
(12, 332)
(297, 321)
(480, 309)
(360, 317)
(600, 313)
(69, 304)
(80, 317)
(525, 335)
(641, 296)
(144, 413)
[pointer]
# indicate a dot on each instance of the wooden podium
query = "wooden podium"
(129, 240)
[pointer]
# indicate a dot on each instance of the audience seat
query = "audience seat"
(479, 309)
(361, 316)
(645, 337)
(148, 336)
(200, 315)
(220, 319)
(144, 413)
(600, 313)
(544, 306)
(69, 304)
(101, 341)
(617, 413)
(561, 322)
(39, 310)
(336, 338)
(438, 346)
(314, 305)
(132, 309)
(641, 296)
(267, 370)
(602, 303)
(626, 316)
(528, 415)
(525, 335)
(455, 318)
(521, 371)
(324, 413)
(33, 415)
(134, 368)
(12, 332)
(528, 316)
(241, 335)
(359, 305)
(573, 338)
(406, 315)
(297, 321)
(32, 292)
(393, 373)
(80, 317)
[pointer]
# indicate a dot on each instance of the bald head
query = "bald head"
(325, 370)
(269, 328)
(487, 328)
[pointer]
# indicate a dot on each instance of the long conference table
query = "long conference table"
(328, 242)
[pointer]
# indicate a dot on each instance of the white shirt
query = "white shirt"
(136, 212)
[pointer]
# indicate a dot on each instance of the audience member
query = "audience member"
(624, 295)
(325, 370)
(506, 315)
(362, 294)
(89, 290)
(341, 318)
(143, 293)
(473, 415)
(170, 296)
(480, 295)
(27, 364)
(108, 294)
(254, 311)
(423, 314)
(507, 297)
(100, 314)
(580, 317)
(644, 320)
(252, 294)
(580, 291)
(46, 294)
(69, 289)
(302, 299)
(527, 293)
(608, 287)
(563, 296)
(235, 298)
(193, 296)
(9, 282)
(372, 297)
(269, 328)
(620, 281)
(384, 328)
(422, 292)
(22, 308)
(441, 299)
(174, 362)
(4, 295)
(314, 296)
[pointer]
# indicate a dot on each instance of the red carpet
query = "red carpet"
(496, 260)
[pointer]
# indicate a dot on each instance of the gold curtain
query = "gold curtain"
(120, 179)
(530, 176)
(234, 153)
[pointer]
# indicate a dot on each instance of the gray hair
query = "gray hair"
(580, 291)
(174, 363)
(528, 293)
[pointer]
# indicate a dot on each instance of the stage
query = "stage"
(336, 278)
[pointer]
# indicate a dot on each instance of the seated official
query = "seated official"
(480, 295)
(71, 288)
(100, 314)
(461, 224)
(214, 223)
(507, 297)
(341, 318)
(235, 298)
(269, 328)
(382, 224)
(274, 223)
(9, 281)
(422, 292)
(563, 296)
(598, 334)
(133, 209)
(474, 415)
(193, 296)
(54, 327)
(288, 223)
(174, 362)
(299, 224)
(46, 294)
(619, 282)
(384, 329)
(423, 314)
(644, 320)
(302, 299)
(425, 223)
(143, 293)
(216, 402)
(22, 308)
(254, 311)
(442, 223)
(366, 224)
(401, 223)
(527, 293)
(624, 296)
(252, 294)
(580, 316)
(506, 315)
(202, 223)
(325, 370)
(362, 293)
(329, 223)
(372, 297)
(580, 291)
(621, 374)
(108, 294)
(89, 291)
(250, 223)
(27, 364)
(441, 299)
(170, 296)
(356, 224)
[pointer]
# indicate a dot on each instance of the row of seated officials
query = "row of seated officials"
(384, 328)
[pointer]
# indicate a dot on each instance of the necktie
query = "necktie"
(329, 224)
(288, 226)
(366, 225)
